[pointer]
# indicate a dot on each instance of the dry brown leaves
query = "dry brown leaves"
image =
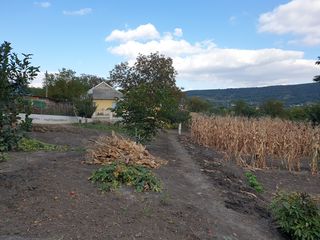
(109, 149)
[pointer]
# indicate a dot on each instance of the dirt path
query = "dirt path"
(47, 196)
(188, 185)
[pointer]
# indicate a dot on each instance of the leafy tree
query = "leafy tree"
(91, 80)
(317, 78)
(151, 98)
(313, 112)
(85, 107)
(273, 108)
(197, 104)
(241, 108)
(15, 74)
(65, 85)
(154, 68)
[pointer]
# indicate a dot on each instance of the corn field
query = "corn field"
(260, 143)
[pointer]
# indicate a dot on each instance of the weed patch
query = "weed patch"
(31, 145)
(253, 182)
(112, 176)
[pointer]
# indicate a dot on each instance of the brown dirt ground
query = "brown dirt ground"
(46, 195)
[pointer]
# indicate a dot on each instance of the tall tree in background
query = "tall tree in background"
(15, 75)
(151, 97)
(64, 86)
(317, 78)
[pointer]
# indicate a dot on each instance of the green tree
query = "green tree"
(15, 75)
(241, 108)
(155, 69)
(85, 107)
(273, 108)
(65, 86)
(197, 104)
(317, 78)
(151, 99)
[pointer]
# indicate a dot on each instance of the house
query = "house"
(105, 98)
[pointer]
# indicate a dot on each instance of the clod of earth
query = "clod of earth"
(107, 150)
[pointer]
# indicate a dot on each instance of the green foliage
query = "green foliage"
(31, 145)
(145, 110)
(15, 75)
(241, 108)
(155, 69)
(273, 108)
(317, 78)
(197, 104)
(313, 113)
(26, 124)
(3, 157)
(151, 98)
(112, 176)
(253, 182)
(297, 215)
(85, 107)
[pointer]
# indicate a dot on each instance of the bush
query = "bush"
(112, 176)
(85, 107)
(253, 182)
(297, 215)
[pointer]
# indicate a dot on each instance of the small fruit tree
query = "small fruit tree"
(15, 74)
(151, 98)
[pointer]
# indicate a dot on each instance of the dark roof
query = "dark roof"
(105, 93)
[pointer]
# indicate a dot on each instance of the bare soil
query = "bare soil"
(47, 195)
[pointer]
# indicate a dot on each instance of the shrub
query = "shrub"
(253, 182)
(112, 176)
(297, 215)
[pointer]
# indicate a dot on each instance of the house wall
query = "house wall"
(103, 105)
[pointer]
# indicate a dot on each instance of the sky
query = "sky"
(214, 44)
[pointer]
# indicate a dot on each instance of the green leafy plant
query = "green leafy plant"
(31, 145)
(15, 74)
(297, 215)
(253, 182)
(4, 157)
(112, 176)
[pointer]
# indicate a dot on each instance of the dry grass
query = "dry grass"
(260, 143)
(109, 149)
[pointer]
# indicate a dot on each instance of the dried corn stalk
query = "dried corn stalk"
(259, 143)
(114, 148)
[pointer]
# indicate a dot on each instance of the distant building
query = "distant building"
(105, 98)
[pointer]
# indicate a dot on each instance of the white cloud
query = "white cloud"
(298, 17)
(143, 32)
(43, 4)
(204, 65)
(80, 12)
(178, 32)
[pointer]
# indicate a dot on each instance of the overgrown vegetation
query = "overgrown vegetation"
(31, 145)
(253, 182)
(297, 215)
(15, 74)
(111, 177)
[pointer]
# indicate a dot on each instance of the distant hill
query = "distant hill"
(289, 94)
